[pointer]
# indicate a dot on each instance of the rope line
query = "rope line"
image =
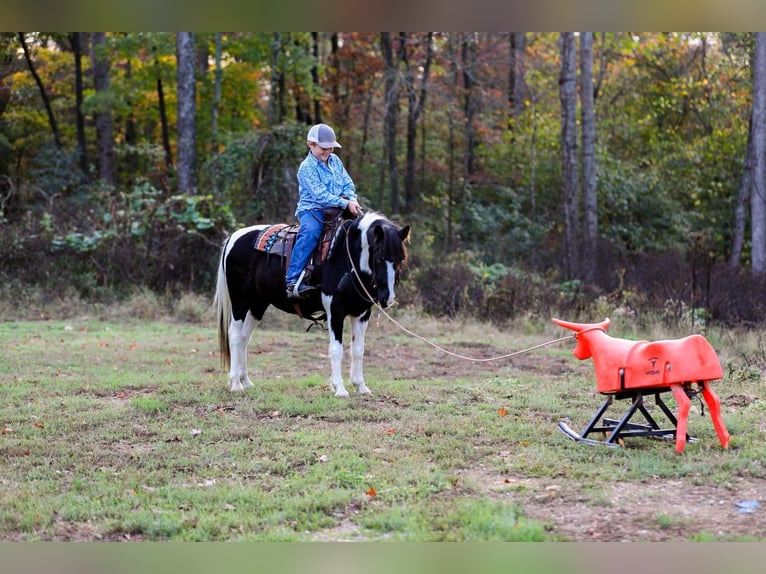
(374, 301)
(465, 357)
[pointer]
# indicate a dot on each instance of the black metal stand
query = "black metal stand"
(615, 430)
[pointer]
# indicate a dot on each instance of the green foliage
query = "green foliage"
(636, 210)
(145, 211)
(256, 173)
(672, 115)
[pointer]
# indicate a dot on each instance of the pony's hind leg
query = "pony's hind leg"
(358, 330)
(239, 336)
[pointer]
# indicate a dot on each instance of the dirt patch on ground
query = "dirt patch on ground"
(657, 510)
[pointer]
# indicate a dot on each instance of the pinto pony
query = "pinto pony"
(360, 270)
(631, 369)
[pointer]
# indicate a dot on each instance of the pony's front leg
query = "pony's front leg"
(336, 359)
(239, 336)
(335, 323)
(358, 330)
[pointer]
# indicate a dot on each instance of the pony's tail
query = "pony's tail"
(222, 303)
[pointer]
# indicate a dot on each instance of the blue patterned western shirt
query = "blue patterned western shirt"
(321, 185)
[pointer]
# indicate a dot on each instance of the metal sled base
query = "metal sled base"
(616, 430)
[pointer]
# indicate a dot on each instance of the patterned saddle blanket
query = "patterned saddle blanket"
(278, 239)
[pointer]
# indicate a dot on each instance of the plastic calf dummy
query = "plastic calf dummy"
(623, 365)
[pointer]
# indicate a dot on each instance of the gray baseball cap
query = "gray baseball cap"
(323, 135)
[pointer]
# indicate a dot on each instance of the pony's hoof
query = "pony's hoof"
(240, 386)
(363, 390)
(341, 393)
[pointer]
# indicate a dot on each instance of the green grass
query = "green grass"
(116, 431)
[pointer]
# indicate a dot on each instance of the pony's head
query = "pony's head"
(383, 252)
(582, 350)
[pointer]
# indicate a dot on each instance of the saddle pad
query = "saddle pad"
(272, 238)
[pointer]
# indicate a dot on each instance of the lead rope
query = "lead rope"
(442, 349)
(474, 359)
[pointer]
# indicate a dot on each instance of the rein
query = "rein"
(355, 274)
(371, 299)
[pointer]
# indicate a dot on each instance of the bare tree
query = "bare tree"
(315, 78)
(74, 39)
(214, 137)
(103, 117)
(758, 128)
(469, 55)
(451, 191)
(391, 118)
(569, 164)
(588, 122)
(516, 73)
(43, 94)
(416, 100)
(163, 111)
(276, 101)
(743, 200)
(187, 113)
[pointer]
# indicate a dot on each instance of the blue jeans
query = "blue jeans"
(305, 243)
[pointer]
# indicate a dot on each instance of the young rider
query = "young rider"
(322, 182)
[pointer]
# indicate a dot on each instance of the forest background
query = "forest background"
(589, 173)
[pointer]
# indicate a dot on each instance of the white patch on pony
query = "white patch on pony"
(239, 233)
(335, 352)
(358, 330)
(391, 276)
(239, 336)
(364, 227)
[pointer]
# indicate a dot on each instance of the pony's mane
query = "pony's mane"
(392, 244)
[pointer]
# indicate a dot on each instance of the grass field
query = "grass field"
(124, 430)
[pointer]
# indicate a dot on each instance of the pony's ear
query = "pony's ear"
(404, 233)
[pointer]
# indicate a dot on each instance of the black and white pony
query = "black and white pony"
(361, 269)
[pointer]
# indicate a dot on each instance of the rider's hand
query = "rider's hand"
(354, 207)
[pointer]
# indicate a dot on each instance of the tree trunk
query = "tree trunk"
(104, 126)
(758, 196)
(274, 109)
(131, 136)
(41, 88)
(413, 115)
(741, 211)
(216, 92)
(588, 122)
(334, 48)
(470, 105)
(315, 78)
(187, 113)
(451, 194)
(74, 38)
(163, 112)
(743, 200)
(391, 118)
(214, 137)
(569, 171)
(516, 78)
